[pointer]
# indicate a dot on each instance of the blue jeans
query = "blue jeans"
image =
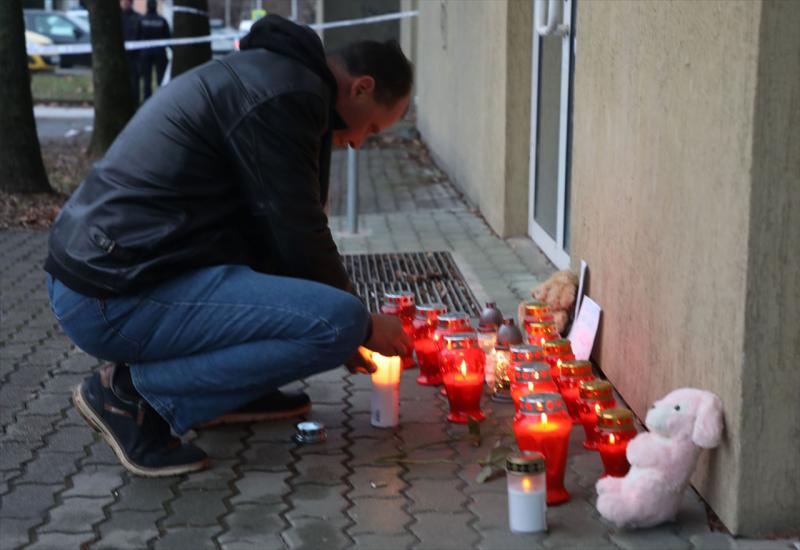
(209, 341)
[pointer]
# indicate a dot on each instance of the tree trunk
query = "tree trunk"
(113, 96)
(21, 166)
(185, 25)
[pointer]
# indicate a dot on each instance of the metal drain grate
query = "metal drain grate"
(432, 276)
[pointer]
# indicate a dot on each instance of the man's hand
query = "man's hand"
(360, 362)
(388, 337)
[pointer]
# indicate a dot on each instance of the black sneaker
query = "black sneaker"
(138, 435)
(272, 406)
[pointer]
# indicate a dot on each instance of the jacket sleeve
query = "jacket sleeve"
(276, 155)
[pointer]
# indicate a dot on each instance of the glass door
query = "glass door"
(551, 107)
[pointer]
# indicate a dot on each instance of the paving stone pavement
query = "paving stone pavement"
(62, 488)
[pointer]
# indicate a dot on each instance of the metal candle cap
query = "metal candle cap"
(461, 340)
(528, 463)
(559, 346)
(526, 352)
(402, 298)
(615, 419)
(431, 311)
(577, 368)
(532, 372)
(310, 432)
(491, 318)
(537, 403)
(453, 319)
(536, 308)
(595, 390)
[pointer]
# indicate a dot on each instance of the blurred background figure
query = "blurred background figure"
(152, 27)
(130, 26)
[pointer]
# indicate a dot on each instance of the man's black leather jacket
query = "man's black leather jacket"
(228, 164)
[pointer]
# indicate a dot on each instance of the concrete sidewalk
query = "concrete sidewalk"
(62, 487)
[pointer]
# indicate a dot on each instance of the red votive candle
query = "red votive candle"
(523, 353)
(425, 347)
(594, 396)
(540, 332)
(463, 362)
(572, 374)
(556, 351)
(615, 427)
(530, 378)
(401, 304)
(543, 425)
(447, 323)
(533, 311)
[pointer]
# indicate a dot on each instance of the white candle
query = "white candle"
(386, 391)
(527, 493)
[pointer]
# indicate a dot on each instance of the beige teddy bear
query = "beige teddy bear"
(558, 292)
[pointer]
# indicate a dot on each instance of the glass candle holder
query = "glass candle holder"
(490, 320)
(530, 378)
(462, 373)
(594, 396)
(542, 424)
(540, 332)
(425, 347)
(523, 353)
(556, 351)
(527, 493)
(507, 335)
(616, 429)
(447, 323)
(401, 304)
(385, 401)
(572, 374)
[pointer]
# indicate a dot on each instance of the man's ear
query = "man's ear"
(363, 85)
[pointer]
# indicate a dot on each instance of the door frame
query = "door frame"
(552, 248)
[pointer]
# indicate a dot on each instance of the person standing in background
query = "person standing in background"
(130, 24)
(152, 27)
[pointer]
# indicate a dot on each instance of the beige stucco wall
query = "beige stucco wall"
(690, 271)
(473, 74)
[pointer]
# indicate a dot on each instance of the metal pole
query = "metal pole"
(352, 190)
(294, 10)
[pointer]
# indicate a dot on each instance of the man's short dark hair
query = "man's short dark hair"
(383, 61)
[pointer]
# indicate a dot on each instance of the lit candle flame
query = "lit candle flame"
(612, 439)
(463, 368)
(536, 375)
(559, 363)
(526, 484)
(530, 386)
(597, 408)
(544, 419)
(543, 340)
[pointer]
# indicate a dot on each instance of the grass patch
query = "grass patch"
(73, 88)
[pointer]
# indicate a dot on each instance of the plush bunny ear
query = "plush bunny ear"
(707, 431)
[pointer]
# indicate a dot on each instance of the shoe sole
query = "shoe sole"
(242, 418)
(98, 424)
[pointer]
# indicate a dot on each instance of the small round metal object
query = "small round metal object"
(310, 432)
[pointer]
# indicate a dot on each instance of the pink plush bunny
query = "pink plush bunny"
(662, 460)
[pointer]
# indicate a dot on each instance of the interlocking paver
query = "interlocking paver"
(384, 542)
(50, 467)
(45, 404)
(75, 515)
(70, 439)
(504, 539)
(491, 510)
(254, 526)
(128, 530)
(315, 533)
(325, 392)
(439, 531)
(320, 469)
(712, 541)
(31, 431)
(376, 481)
(143, 494)
(261, 487)
(384, 516)
(14, 532)
(95, 481)
(316, 501)
(657, 538)
(28, 500)
(430, 495)
(268, 456)
(59, 541)
(197, 508)
(221, 442)
(187, 537)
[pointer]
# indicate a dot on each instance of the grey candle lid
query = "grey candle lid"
(310, 432)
